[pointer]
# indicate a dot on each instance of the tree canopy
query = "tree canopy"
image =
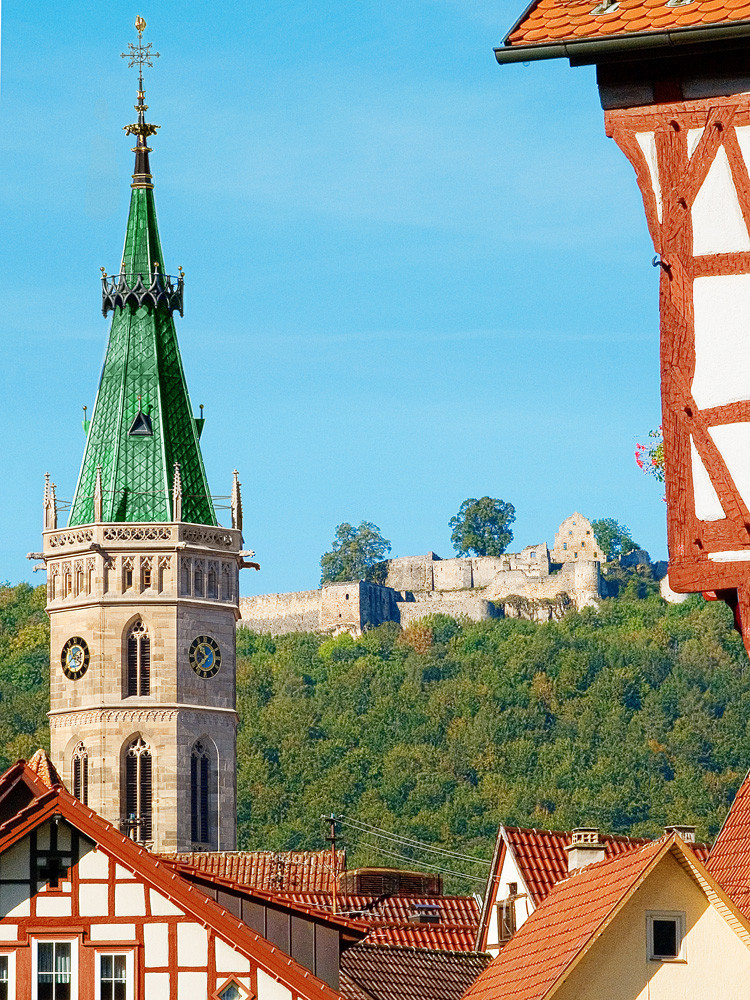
(353, 552)
(614, 538)
(482, 527)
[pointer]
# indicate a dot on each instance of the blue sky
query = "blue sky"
(413, 276)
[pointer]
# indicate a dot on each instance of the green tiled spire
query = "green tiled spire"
(142, 422)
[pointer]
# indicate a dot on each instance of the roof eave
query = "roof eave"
(582, 51)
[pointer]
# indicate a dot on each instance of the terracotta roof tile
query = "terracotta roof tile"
(538, 954)
(729, 860)
(556, 20)
(274, 871)
(410, 973)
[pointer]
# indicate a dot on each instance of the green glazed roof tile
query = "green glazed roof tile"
(142, 359)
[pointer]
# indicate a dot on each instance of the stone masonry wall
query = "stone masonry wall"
(282, 613)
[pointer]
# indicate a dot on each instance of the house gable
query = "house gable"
(716, 961)
(67, 876)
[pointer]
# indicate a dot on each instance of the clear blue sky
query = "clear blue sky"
(413, 276)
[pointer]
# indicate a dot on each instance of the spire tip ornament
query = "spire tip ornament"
(140, 55)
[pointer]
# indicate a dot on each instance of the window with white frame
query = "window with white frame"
(54, 970)
(114, 976)
(7, 977)
(666, 936)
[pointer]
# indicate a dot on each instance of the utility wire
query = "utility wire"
(375, 831)
(433, 867)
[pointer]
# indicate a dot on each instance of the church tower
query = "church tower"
(143, 583)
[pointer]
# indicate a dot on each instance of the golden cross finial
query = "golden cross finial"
(140, 54)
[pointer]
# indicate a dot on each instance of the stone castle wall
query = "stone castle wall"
(282, 613)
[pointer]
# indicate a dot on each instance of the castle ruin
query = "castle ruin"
(534, 583)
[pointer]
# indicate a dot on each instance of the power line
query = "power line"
(376, 831)
(433, 867)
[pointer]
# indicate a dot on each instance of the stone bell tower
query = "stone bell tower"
(143, 582)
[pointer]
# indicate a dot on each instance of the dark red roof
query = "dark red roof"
(392, 923)
(543, 861)
(408, 973)
(729, 860)
(274, 871)
(550, 21)
(41, 765)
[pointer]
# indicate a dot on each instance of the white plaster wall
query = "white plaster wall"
(648, 144)
(722, 339)
(270, 989)
(718, 225)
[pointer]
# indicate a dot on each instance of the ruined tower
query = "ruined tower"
(143, 582)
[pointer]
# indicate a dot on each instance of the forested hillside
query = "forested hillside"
(627, 718)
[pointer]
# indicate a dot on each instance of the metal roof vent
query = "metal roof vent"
(425, 913)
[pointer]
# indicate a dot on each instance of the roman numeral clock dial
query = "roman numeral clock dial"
(205, 656)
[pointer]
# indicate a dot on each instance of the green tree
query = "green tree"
(614, 538)
(353, 553)
(482, 527)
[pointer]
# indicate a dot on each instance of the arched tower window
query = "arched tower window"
(200, 788)
(139, 660)
(80, 768)
(212, 582)
(198, 581)
(138, 790)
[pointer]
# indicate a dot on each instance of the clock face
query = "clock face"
(205, 656)
(75, 658)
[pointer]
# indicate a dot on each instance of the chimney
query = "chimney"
(585, 848)
(686, 832)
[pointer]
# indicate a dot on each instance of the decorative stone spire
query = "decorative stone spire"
(50, 503)
(236, 502)
(142, 422)
(177, 494)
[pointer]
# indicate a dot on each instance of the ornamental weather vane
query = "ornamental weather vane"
(140, 53)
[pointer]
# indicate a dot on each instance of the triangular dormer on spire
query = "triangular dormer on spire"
(142, 422)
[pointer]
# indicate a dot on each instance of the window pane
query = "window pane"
(44, 989)
(119, 967)
(3, 968)
(106, 966)
(62, 962)
(119, 990)
(62, 991)
(665, 938)
(230, 992)
(4, 989)
(44, 957)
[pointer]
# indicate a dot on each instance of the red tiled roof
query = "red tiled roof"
(549, 21)
(538, 954)
(729, 860)
(543, 861)
(390, 917)
(409, 973)
(274, 871)
(43, 768)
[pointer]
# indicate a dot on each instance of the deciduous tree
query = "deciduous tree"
(353, 552)
(482, 527)
(614, 538)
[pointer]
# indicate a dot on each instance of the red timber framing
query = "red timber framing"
(673, 147)
(66, 875)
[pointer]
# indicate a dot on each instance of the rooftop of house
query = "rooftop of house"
(397, 973)
(273, 871)
(729, 862)
(542, 857)
(574, 912)
(635, 23)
